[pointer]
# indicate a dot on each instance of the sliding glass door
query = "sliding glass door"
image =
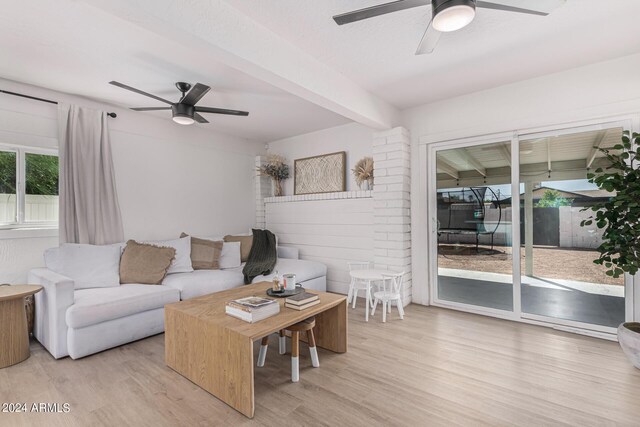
(473, 231)
(504, 233)
(559, 279)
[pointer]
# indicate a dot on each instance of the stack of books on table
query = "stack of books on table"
(302, 301)
(252, 309)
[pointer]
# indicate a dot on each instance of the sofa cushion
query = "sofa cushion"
(93, 306)
(205, 254)
(245, 244)
(144, 263)
(203, 282)
(230, 255)
(303, 269)
(182, 262)
(90, 266)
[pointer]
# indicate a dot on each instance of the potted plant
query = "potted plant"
(363, 173)
(277, 168)
(618, 218)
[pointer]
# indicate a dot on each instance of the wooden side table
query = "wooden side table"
(14, 335)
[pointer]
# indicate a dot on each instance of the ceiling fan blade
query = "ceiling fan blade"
(198, 118)
(429, 40)
(221, 111)
(151, 108)
(195, 94)
(509, 8)
(381, 9)
(133, 89)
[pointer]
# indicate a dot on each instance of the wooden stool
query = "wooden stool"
(307, 326)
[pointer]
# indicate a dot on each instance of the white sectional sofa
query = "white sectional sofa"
(77, 321)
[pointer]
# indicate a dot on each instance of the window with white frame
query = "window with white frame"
(28, 187)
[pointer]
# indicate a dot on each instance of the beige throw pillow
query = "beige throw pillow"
(245, 245)
(205, 254)
(144, 263)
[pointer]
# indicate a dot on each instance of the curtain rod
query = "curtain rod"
(114, 115)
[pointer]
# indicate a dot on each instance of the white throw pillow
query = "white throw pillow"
(230, 255)
(90, 266)
(182, 262)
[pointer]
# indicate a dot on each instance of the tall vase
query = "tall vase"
(277, 187)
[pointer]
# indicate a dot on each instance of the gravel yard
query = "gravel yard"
(549, 262)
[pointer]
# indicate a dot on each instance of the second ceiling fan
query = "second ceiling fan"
(448, 15)
(185, 111)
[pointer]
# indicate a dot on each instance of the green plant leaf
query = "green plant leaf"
(618, 217)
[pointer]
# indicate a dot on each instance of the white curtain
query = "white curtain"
(89, 210)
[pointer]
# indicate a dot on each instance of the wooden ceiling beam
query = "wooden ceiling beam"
(505, 151)
(219, 33)
(472, 161)
(594, 151)
(447, 168)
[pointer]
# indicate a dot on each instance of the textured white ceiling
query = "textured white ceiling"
(75, 48)
(495, 49)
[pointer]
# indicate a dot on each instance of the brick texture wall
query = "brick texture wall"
(392, 203)
(263, 190)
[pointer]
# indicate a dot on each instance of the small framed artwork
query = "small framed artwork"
(320, 174)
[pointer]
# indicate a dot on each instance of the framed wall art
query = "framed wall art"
(320, 174)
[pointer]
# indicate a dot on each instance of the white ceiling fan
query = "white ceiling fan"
(449, 15)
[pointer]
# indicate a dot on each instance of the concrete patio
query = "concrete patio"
(592, 303)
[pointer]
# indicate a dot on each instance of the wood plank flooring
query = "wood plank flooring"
(435, 368)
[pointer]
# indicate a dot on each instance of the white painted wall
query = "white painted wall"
(170, 178)
(332, 232)
(353, 138)
(600, 90)
(597, 90)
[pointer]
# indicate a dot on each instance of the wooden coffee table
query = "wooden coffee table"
(215, 351)
(14, 334)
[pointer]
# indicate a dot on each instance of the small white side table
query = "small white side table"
(369, 276)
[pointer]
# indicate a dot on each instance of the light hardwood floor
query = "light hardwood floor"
(436, 367)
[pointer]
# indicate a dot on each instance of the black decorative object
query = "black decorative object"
(48, 101)
(285, 293)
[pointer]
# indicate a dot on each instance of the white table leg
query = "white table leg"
(371, 286)
(368, 302)
(354, 295)
(384, 310)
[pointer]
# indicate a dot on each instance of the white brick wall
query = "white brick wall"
(392, 202)
(331, 231)
(263, 190)
(327, 233)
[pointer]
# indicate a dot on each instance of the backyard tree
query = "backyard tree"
(41, 173)
(7, 172)
(618, 216)
(552, 199)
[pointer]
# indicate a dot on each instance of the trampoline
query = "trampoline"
(463, 212)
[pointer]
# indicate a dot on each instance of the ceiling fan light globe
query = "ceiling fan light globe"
(453, 18)
(183, 120)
